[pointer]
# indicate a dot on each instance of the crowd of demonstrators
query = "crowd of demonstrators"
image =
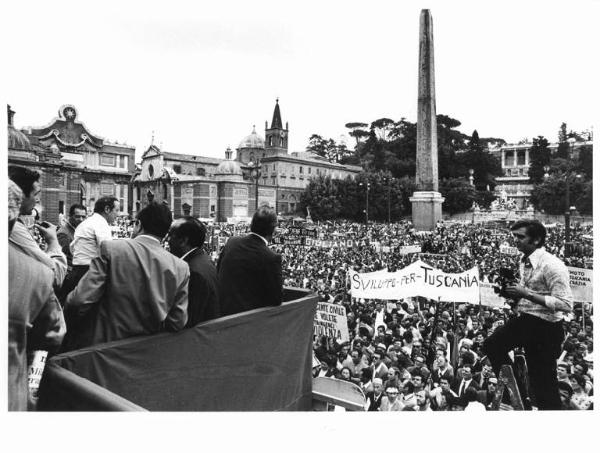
(413, 354)
(425, 350)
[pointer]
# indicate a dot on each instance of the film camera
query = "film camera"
(505, 277)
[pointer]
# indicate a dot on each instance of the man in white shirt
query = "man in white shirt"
(87, 239)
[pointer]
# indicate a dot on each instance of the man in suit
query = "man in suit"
(186, 238)
(486, 396)
(249, 272)
(376, 395)
(134, 286)
(461, 385)
(35, 319)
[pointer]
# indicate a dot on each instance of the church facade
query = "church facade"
(262, 173)
(78, 166)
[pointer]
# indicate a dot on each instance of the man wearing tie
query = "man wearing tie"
(542, 294)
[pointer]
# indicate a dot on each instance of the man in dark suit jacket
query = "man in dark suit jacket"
(186, 238)
(135, 287)
(249, 272)
(465, 382)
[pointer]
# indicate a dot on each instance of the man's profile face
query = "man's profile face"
(78, 216)
(29, 202)
(524, 243)
(112, 213)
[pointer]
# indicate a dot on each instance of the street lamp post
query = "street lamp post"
(255, 175)
(389, 182)
(368, 186)
(568, 205)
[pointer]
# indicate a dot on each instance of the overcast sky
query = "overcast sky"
(201, 74)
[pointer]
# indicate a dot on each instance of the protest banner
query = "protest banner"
(581, 283)
(417, 279)
(489, 297)
(330, 321)
(406, 249)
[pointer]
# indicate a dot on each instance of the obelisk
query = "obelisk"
(426, 200)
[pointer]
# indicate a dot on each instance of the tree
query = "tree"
(458, 193)
(357, 130)
(539, 157)
(321, 195)
(382, 126)
(563, 145)
(550, 195)
(485, 166)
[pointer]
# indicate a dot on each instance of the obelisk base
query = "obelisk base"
(426, 210)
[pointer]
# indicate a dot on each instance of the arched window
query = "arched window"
(151, 170)
(165, 191)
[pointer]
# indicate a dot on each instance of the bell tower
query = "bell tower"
(276, 137)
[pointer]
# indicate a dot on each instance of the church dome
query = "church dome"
(18, 140)
(252, 141)
(228, 166)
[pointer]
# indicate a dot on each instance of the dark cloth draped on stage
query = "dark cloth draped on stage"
(254, 361)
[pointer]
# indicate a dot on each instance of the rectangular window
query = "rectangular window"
(107, 160)
(521, 158)
(107, 188)
(509, 159)
(309, 170)
(301, 170)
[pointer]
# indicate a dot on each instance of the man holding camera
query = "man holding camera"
(541, 295)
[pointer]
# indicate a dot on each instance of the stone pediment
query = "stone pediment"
(152, 151)
(66, 131)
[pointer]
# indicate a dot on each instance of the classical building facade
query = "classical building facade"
(76, 165)
(262, 173)
(515, 185)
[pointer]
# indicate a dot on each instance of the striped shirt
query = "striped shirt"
(545, 274)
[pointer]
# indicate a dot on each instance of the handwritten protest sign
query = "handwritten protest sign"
(331, 321)
(581, 283)
(417, 279)
(509, 250)
(488, 297)
(406, 249)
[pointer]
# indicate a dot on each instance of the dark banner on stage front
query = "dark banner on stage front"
(260, 360)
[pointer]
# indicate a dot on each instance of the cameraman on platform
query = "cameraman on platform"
(541, 295)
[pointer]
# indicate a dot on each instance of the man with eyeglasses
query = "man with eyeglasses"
(486, 396)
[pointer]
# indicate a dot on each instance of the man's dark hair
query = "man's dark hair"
(76, 206)
(534, 228)
(192, 229)
(264, 221)
(103, 202)
(156, 219)
(24, 178)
